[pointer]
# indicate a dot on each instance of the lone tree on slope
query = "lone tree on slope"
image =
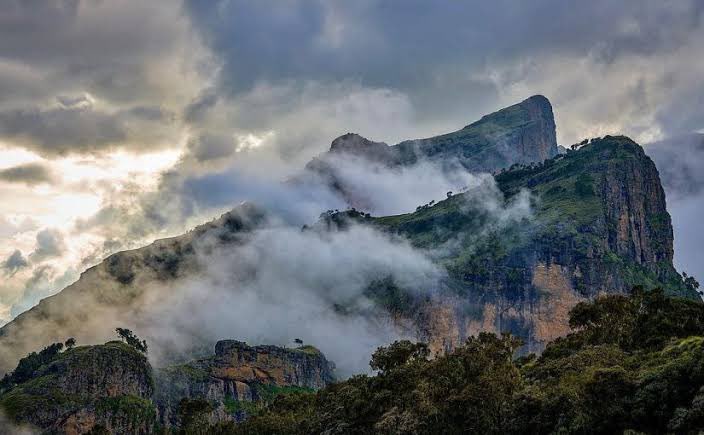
(128, 337)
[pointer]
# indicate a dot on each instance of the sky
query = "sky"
(123, 121)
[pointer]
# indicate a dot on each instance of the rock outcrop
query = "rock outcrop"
(599, 225)
(88, 388)
(238, 377)
(112, 388)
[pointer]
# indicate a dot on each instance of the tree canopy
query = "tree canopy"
(631, 363)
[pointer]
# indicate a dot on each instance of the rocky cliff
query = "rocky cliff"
(238, 379)
(88, 388)
(112, 388)
(599, 225)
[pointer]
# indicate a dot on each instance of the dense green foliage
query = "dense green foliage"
(631, 363)
(29, 364)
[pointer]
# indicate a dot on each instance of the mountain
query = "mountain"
(118, 283)
(520, 134)
(599, 225)
(112, 387)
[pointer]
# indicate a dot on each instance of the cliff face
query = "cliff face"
(599, 225)
(112, 388)
(86, 389)
(238, 378)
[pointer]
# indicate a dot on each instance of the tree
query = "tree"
(397, 354)
(29, 364)
(128, 337)
(690, 282)
(70, 343)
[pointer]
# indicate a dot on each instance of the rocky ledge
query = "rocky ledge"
(238, 379)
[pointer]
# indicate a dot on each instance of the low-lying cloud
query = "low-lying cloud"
(284, 283)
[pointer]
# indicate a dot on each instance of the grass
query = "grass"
(308, 349)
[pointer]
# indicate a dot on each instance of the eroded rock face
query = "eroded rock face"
(112, 388)
(237, 376)
(599, 225)
(106, 387)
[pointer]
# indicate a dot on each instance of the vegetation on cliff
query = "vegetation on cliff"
(599, 210)
(631, 363)
(95, 387)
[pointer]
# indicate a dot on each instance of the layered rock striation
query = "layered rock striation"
(238, 377)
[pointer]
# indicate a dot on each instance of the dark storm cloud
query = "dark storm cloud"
(680, 162)
(61, 130)
(75, 126)
(110, 68)
(405, 43)
(14, 263)
(196, 110)
(30, 174)
(454, 59)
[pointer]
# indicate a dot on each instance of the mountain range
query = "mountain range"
(515, 253)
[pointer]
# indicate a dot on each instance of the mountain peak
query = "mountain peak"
(353, 142)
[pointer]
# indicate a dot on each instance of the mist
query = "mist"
(279, 282)
(284, 283)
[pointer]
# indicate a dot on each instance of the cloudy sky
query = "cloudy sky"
(122, 121)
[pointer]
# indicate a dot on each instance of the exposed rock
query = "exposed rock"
(239, 376)
(88, 388)
(600, 226)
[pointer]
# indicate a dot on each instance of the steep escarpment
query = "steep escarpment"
(81, 309)
(88, 388)
(523, 133)
(239, 379)
(112, 388)
(599, 225)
